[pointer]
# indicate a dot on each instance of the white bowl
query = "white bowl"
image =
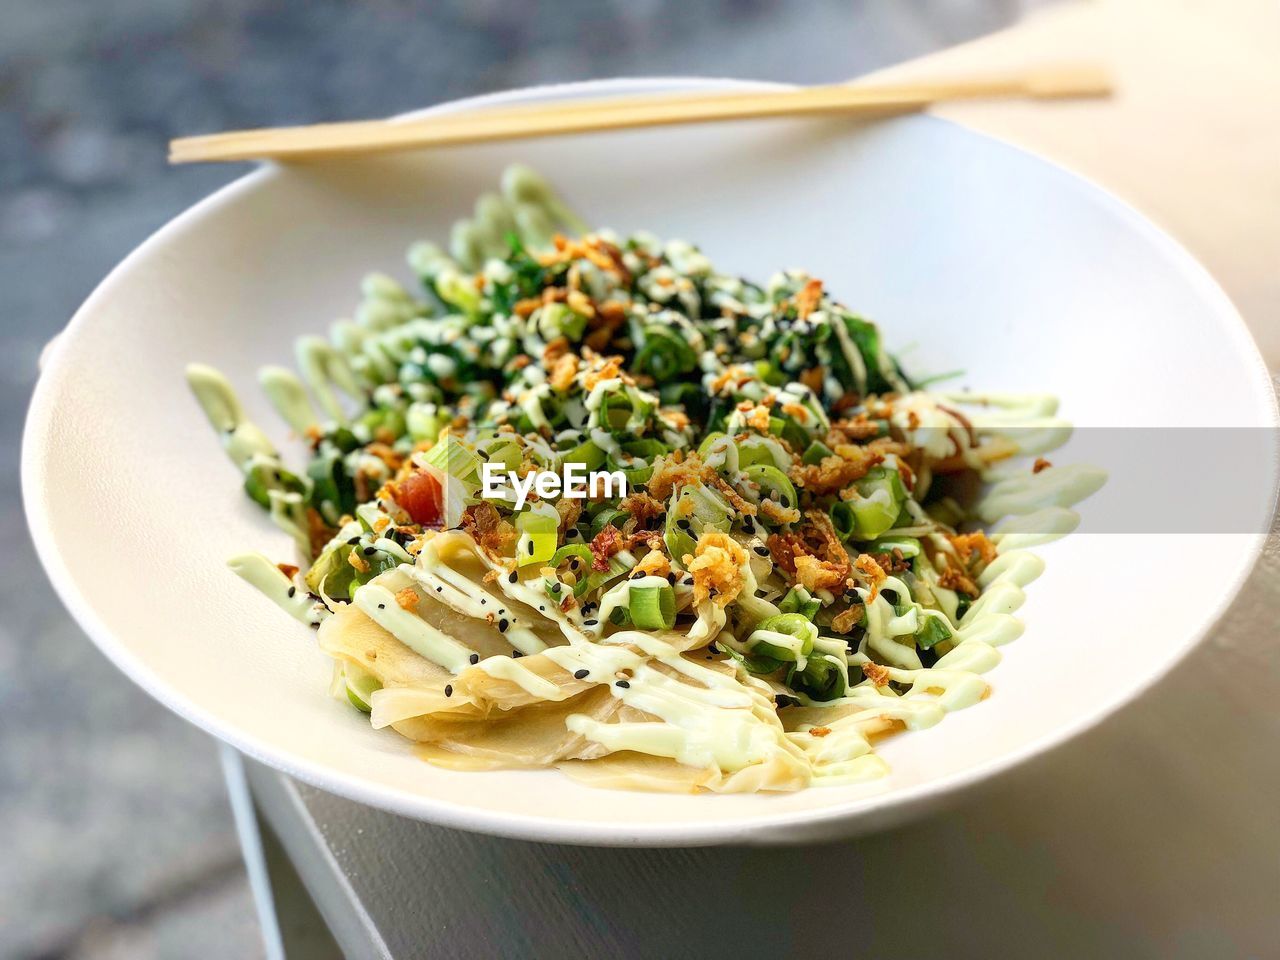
(984, 256)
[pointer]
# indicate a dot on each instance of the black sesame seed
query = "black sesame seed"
(531, 547)
(637, 576)
(671, 578)
(516, 654)
(590, 623)
(315, 626)
(483, 601)
(448, 689)
(762, 551)
(555, 587)
(541, 608)
(571, 533)
(512, 578)
(353, 541)
(580, 674)
(292, 592)
(382, 606)
(682, 524)
(474, 658)
(713, 648)
(439, 589)
(370, 551)
(502, 625)
(623, 684)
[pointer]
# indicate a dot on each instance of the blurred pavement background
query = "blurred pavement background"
(119, 841)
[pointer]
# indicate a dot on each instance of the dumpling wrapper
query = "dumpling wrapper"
(533, 736)
(626, 770)
(492, 723)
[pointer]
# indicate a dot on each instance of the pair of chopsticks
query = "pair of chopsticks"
(512, 123)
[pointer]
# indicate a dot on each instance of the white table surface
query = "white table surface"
(1156, 835)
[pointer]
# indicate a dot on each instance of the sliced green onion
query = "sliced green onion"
(339, 578)
(882, 496)
(333, 492)
(554, 320)
(720, 453)
(569, 551)
(360, 686)
(821, 679)
(647, 448)
(387, 418)
(933, 632)
(343, 439)
(264, 475)
(772, 480)
(798, 600)
(816, 453)
(624, 411)
(653, 608)
(789, 430)
(367, 514)
(453, 457)
(506, 455)
(683, 393)
(908, 546)
(582, 574)
(617, 568)
(587, 454)
(770, 374)
(784, 638)
(539, 531)
(709, 441)
(710, 509)
(843, 520)
(610, 516)
(424, 421)
(755, 448)
(663, 353)
(636, 476)
(678, 539)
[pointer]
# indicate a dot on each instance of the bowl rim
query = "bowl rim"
(837, 820)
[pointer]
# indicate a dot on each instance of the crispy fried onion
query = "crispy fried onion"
(973, 551)
(485, 526)
(716, 568)
(808, 297)
(812, 555)
(677, 469)
(606, 543)
(642, 508)
(836, 472)
(866, 568)
(603, 254)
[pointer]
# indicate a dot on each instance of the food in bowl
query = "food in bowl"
(585, 502)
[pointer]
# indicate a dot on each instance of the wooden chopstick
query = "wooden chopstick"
(380, 136)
